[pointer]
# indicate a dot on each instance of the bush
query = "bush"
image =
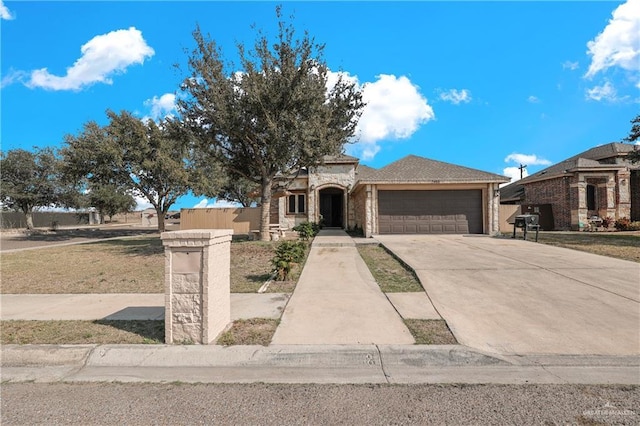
(288, 254)
(307, 230)
(622, 224)
(607, 222)
(634, 226)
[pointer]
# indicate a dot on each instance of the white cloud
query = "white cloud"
(514, 174)
(142, 203)
(5, 13)
(533, 99)
(394, 109)
(161, 107)
(526, 159)
(606, 92)
(102, 57)
(618, 45)
(456, 96)
(568, 65)
(215, 203)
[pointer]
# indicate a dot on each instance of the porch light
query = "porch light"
(496, 192)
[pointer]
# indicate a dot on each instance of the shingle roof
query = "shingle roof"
(414, 169)
(512, 192)
(609, 155)
(363, 172)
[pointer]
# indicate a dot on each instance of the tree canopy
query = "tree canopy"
(274, 114)
(151, 160)
(634, 136)
(31, 180)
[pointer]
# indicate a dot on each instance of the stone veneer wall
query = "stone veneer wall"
(557, 193)
(359, 201)
(635, 195)
(197, 285)
(325, 176)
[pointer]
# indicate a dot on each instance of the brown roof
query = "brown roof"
(611, 155)
(414, 169)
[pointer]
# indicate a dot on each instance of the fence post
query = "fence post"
(197, 285)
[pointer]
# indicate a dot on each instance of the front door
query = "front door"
(332, 207)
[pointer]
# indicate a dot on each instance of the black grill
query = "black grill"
(526, 222)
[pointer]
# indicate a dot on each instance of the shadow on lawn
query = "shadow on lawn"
(150, 246)
(152, 331)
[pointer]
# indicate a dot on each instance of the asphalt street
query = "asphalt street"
(278, 404)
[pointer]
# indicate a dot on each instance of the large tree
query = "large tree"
(110, 200)
(634, 136)
(31, 180)
(152, 160)
(275, 114)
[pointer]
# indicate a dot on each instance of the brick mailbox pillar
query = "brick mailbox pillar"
(197, 289)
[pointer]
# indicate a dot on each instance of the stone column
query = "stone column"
(197, 285)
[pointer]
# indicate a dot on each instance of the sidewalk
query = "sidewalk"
(337, 300)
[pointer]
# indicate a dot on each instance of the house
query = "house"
(598, 182)
(413, 195)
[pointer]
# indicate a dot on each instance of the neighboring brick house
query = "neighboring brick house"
(413, 195)
(598, 182)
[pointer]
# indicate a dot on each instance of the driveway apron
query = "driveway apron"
(337, 301)
(519, 297)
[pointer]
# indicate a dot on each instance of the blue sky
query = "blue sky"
(487, 85)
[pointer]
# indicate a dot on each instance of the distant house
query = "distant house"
(598, 182)
(413, 195)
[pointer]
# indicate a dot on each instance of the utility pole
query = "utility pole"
(522, 167)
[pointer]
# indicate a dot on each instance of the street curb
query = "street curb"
(390, 364)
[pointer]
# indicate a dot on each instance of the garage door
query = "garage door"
(430, 212)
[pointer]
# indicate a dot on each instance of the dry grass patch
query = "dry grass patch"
(128, 265)
(131, 265)
(430, 332)
(250, 265)
(624, 246)
(392, 275)
(101, 332)
(255, 331)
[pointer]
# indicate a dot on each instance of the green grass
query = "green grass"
(391, 275)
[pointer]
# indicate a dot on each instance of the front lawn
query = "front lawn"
(132, 265)
(621, 245)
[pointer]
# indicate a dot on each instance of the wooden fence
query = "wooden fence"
(508, 212)
(241, 220)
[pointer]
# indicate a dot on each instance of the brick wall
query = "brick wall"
(557, 193)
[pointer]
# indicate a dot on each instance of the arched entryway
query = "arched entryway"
(332, 207)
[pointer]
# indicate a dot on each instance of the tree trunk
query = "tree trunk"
(265, 210)
(160, 215)
(29, 217)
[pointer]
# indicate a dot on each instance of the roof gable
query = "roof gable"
(603, 156)
(415, 169)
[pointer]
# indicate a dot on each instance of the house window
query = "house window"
(297, 203)
(591, 197)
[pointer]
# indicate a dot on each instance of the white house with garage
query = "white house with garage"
(413, 195)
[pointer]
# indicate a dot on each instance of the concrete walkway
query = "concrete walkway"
(337, 301)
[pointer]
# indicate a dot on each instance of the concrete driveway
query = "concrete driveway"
(519, 297)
